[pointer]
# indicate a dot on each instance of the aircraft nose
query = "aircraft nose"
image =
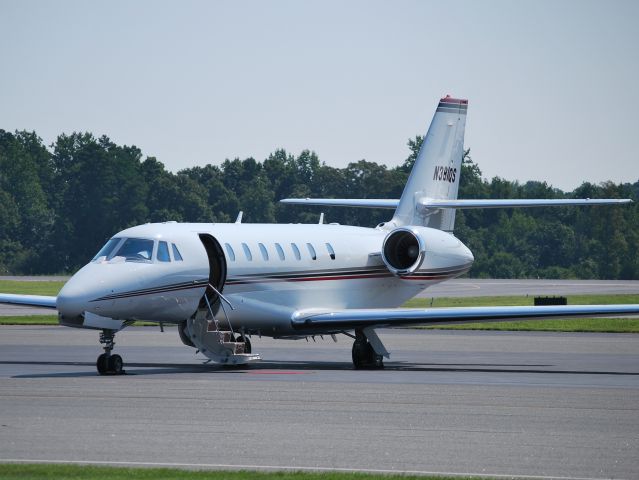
(75, 297)
(71, 300)
(468, 255)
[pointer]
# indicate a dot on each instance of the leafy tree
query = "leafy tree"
(59, 204)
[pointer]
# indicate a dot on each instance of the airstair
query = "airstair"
(218, 344)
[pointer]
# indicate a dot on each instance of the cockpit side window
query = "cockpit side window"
(163, 252)
(136, 250)
(176, 253)
(107, 249)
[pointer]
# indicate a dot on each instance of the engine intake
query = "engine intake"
(403, 251)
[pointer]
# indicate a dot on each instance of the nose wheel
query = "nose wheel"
(108, 364)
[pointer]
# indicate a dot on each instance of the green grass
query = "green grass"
(600, 325)
(54, 472)
(29, 320)
(30, 288)
(518, 301)
(53, 320)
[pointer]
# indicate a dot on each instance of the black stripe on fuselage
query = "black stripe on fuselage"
(343, 274)
(155, 290)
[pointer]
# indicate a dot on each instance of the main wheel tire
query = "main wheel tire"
(364, 356)
(102, 364)
(359, 354)
(116, 365)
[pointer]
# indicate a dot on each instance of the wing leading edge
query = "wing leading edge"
(29, 300)
(360, 318)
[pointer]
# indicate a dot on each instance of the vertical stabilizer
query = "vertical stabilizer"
(437, 168)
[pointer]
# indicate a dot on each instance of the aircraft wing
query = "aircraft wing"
(349, 319)
(28, 300)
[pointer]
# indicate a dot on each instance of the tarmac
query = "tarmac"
(542, 405)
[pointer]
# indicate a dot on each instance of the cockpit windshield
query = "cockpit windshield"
(107, 249)
(136, 250)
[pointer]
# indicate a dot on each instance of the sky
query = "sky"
(552, 85)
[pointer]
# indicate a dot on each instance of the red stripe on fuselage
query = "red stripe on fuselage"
(341, 277)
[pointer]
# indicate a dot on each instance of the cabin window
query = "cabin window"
(230, 252)
(311, 250)
(176, 253)
(264, 252)
(136, 250)
(108, 248)
(163, 252)
(280, 251)
(247, 252)
(296, 251)
(331, 252)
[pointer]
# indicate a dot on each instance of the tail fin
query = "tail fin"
(437, 168)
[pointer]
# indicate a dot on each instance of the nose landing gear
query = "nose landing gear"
(108, 364)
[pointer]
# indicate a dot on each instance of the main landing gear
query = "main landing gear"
(109, 364)
(364, 355)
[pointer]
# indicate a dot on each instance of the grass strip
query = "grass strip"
(55, 472)
(30, 288)
(29, 320)
(53, 320)
(595, 325)
(518, 300)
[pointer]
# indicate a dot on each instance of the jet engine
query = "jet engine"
(403, 251)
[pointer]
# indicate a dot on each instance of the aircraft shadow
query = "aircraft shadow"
(294, 367)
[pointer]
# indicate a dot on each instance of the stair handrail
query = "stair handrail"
(224, 309)
(208, 304)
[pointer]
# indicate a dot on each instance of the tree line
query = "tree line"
(59, 204)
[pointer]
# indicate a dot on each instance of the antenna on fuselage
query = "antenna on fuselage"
(321, 218)
(239, 217)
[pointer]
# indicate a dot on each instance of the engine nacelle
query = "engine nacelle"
(403, 251)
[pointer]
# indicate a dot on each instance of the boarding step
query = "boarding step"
(218, 344)
(225, 338)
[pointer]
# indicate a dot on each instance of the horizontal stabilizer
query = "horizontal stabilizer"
(378, 317)
(518, 203)
(28, 300)
(428, 204)
(344, 202)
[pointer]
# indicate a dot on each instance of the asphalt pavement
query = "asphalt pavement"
(523, 404)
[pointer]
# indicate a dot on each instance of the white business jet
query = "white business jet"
(222, 283)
